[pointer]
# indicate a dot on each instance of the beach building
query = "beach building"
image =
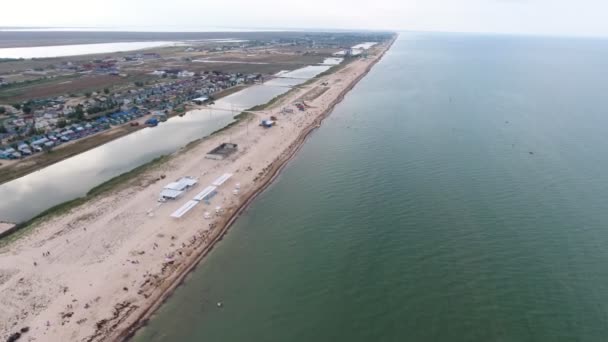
(175, 189)
(201, 100)
(223, 151)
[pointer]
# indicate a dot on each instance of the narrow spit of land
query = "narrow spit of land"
(98, 271)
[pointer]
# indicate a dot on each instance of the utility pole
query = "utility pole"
(229, 130)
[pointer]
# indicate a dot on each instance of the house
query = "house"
(201, 100)
(185, 73)
(175, 189)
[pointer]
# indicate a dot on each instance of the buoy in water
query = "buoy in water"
(219, 304)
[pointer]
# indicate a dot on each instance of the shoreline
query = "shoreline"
(119, 266)
(143, 319)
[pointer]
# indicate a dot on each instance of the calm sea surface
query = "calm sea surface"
(459, 193)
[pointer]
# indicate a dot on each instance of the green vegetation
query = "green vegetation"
(125, 177)
(78, 113)
(4, 60)
(9, 90)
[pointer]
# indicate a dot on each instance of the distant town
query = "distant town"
(47, 102)
(41, 124)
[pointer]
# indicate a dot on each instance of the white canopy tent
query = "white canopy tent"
(170, 194)
(206, 192)
(182, 184)
(222, 179)
(184, 209)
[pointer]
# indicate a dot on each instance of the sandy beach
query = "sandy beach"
(99, 271)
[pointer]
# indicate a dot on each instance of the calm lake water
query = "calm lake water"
(78, 49)
(74, 177)
(417, 213)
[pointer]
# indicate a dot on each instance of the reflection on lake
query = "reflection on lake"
(73, 177)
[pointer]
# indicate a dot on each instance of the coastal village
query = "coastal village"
(98, 268)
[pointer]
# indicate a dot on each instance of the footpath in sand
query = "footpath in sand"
(98, 271)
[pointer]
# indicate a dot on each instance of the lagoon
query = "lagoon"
(73, 177)
(79, 49)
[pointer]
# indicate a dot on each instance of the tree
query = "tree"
(27, 110)
(3, 129)
(2, 110)
(17, 106)
(61, 123)
(87, 94)
(78, 113)
(106, 90)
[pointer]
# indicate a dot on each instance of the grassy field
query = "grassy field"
(62, 85)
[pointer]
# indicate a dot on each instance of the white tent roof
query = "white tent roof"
(222, 179)
(205, 193)
(169, 193)
(181, 184)
(184, 209)
(173, 186)
(188, 181)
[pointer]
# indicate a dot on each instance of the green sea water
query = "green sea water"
(459, 193)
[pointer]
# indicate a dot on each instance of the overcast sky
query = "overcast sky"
(553, 17)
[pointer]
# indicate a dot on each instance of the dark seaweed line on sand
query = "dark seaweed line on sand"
(143, 318)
